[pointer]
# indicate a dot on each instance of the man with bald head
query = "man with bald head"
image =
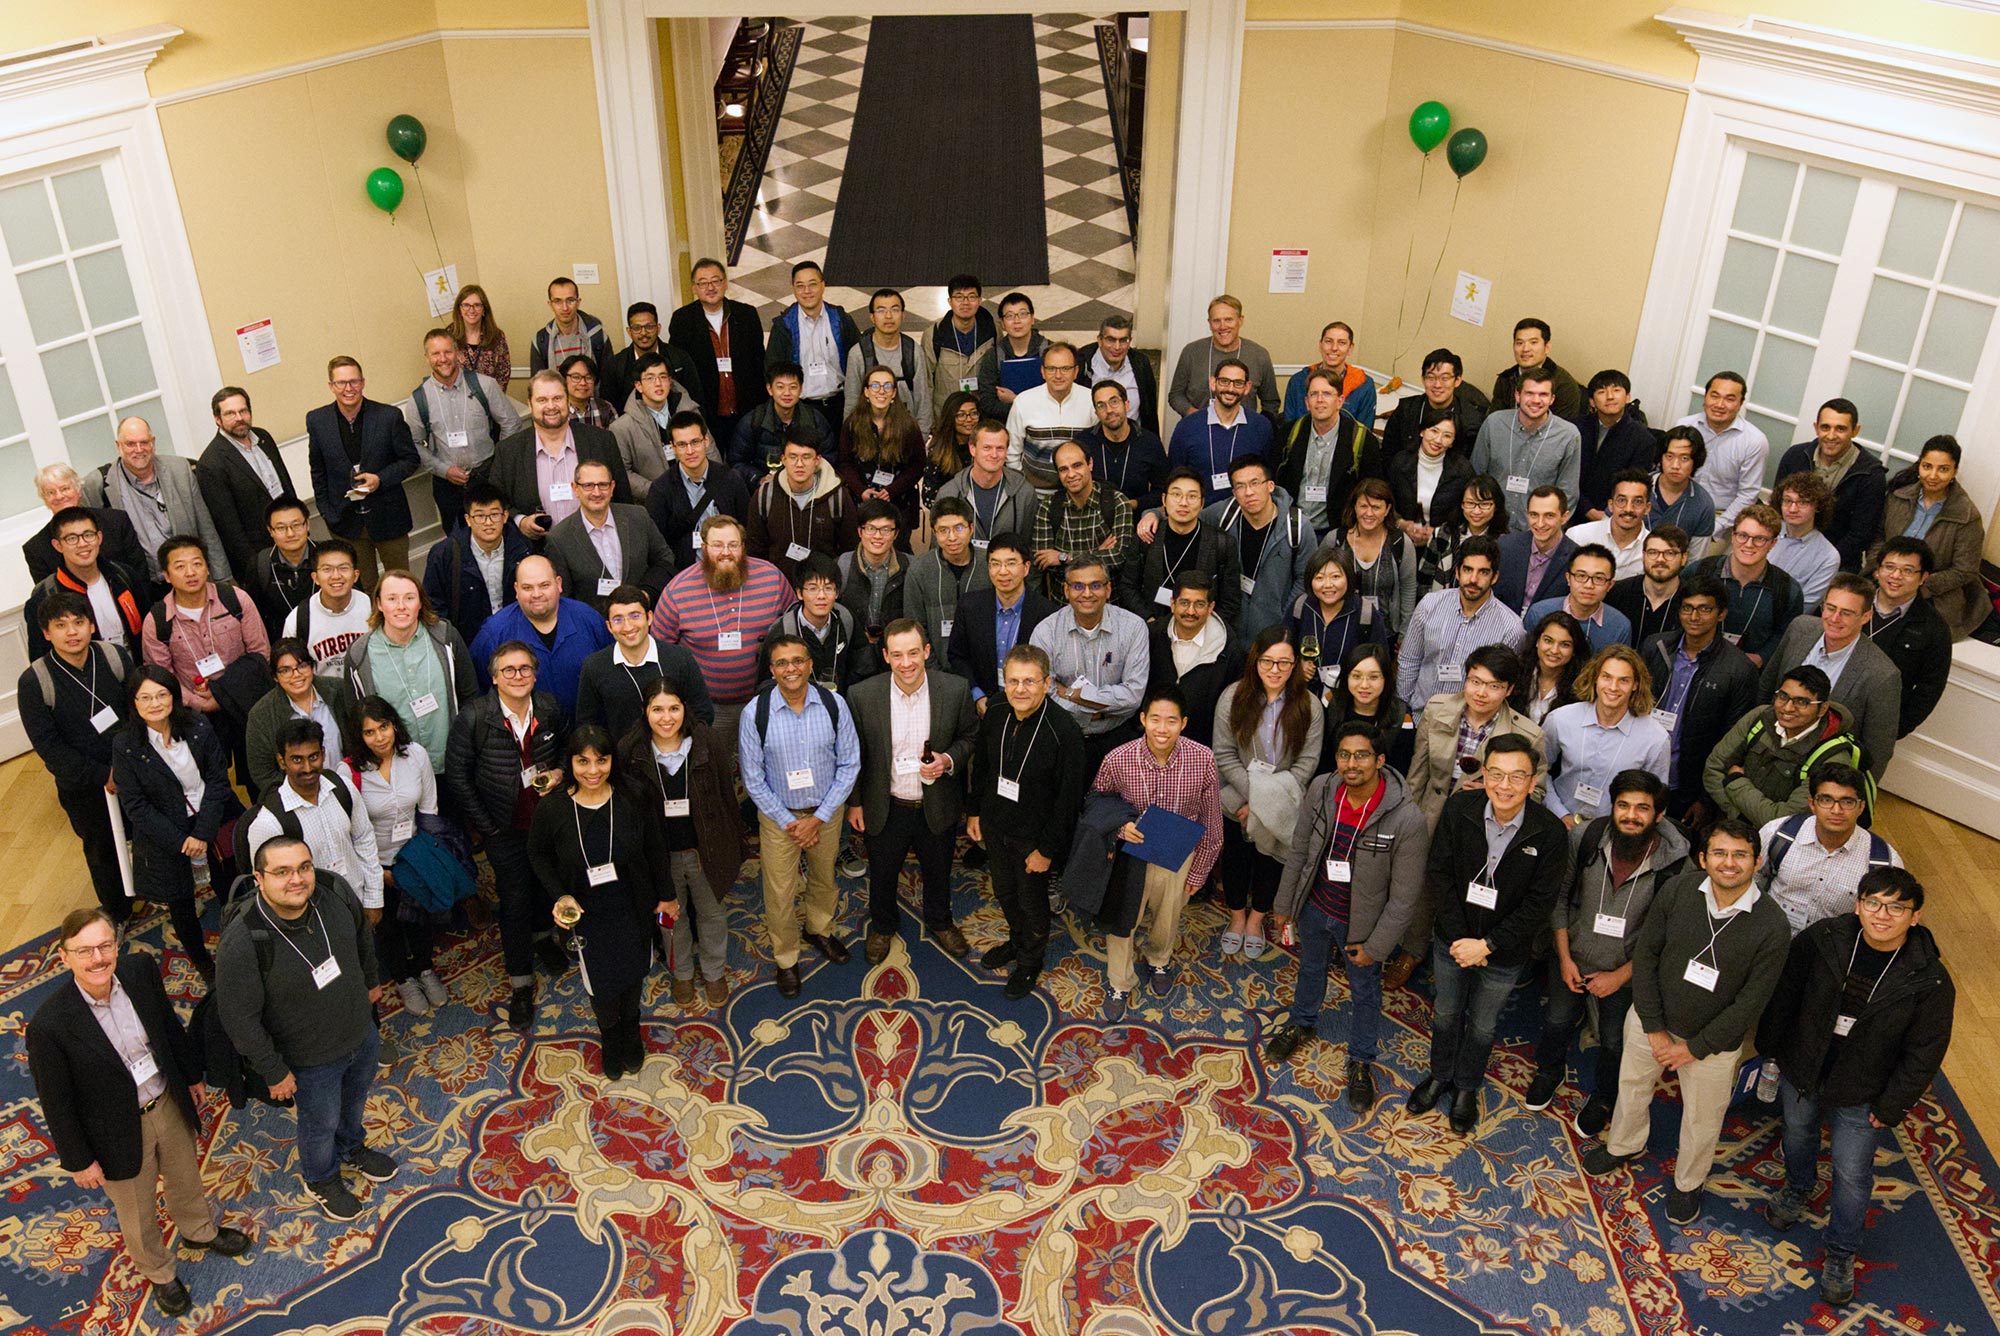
(561, 631)
(157, 493)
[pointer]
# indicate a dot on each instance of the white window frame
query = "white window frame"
(1876, 108)
(87, 102)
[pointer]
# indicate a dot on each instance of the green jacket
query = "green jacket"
(1773, 782)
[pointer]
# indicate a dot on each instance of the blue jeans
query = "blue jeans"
(1465, 1016)
(328, 1103)
(1320, 935)
(1854, 1139)
(1565, 1017)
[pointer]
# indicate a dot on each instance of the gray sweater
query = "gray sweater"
(1187, 392)
(1591, 893)
(277, 1018)
(1749, 954)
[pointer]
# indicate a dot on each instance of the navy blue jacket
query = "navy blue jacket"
(385, 449)
(453, 584)
(1509, 585)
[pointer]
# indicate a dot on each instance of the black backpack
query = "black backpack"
(288, 821)
(225, 590)
(764, 709)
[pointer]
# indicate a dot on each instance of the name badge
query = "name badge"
(1260, 766)
(1733, 637)
(882, 477)
(1339, 869)
(600, 873)
(1249, 583)
(1518, 482)
(981, 544)
(802, 778)
(729, 640)
(1701, 976)
(104, 719)
(403, 828)
(1329, 674)
(560, 491)
(1451, 672)
(1082, 687)
(1218, 480)
(209, 665)
(1486, 897)
(424, 704)
(1314, 494)
(797, 552)
(968, 383)
(326, 972)
(726, 365)
(528, 776)
(1589, 795)
(908, 765)
(1669, 719)
(1842, 1024)
(1164, 596)
(944, 627)
(677, 806)
(1609, 925)
(1010, 789)
(455, 440)
(1368, 610)
(605, 584)
(145, 1067)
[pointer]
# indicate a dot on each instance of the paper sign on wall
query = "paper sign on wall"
(1288, 270)
(1468, 298)
(583, 273)
(441, 289)
(258, 342)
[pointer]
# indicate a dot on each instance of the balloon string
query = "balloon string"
(1450, 219)
(410, 255)
(1403, 300)
(423, 197)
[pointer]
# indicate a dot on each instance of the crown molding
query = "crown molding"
(364, 53)
(1610, 71)
(68, 81)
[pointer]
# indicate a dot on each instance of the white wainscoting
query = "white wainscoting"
(1951, 765)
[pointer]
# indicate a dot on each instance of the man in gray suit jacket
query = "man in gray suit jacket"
(1865, 679)
(917, 729)
(158, 493)
(604, 545)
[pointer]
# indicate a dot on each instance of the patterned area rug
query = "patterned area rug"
(900, 1150)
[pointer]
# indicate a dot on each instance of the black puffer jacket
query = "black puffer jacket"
(1893, 1052)
(482, 766)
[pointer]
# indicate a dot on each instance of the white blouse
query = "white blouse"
(394, 799)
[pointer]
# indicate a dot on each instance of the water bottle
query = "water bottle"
(201, 878)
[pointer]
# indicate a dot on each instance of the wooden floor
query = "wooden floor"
(42, 879)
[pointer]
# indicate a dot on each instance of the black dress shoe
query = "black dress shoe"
(999, 957)
(1284, 1042)
(1020, 983)
(788, 981)
(1360, 1085)
(1465, 1112)
(173, 1297)
(1425, 1097)
(827, 945)
(227, 1242)
(521, 1008)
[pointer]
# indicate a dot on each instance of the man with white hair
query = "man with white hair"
(158, 494)
(61, 487)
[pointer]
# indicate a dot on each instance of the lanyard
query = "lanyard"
(303, 958)
(1675, 699)
(715, 617)
(1339, 810)
(1027, 751)
(1855, 955)
(1232, 429)
(1756, 605)
(91, 686)
(1124, 466)
(1714, 933)
(610, 815)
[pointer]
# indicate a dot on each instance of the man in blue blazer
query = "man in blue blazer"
(361, 452)
(1543, 546)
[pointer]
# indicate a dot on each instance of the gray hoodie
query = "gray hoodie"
(1388, 862)
(1590, 893)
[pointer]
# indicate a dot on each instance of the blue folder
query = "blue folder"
(1170, 838)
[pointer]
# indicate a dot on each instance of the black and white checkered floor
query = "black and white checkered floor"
(1090, 243)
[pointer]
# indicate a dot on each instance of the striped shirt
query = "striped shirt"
(1187, 785)
(692, 615)
(1335, 899)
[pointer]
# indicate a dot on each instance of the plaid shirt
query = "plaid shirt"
(1186, 785)
(599, 413)
(1470, 739)
(1076, 531)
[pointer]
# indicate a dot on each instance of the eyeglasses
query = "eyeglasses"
(1438, 377)
(286, 670)
(603, 486)
(1231, 383)
(1837, 803)
(1355, 756)
(1509, 778)
(1059, 368)
(289, 526)
(1580, 578)
(111, 948)
(1285, 664)
(514, 670)
(79, 539)
(1796, 702)
(1895, 909)
(579, 376)
(1900, 568)
(650, 327)
(879, 530)
(1754, 540)
(1088, 586)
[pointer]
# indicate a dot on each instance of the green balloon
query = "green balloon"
(407, 137)
(1465, 152)
(1429, 124)
(385, 189)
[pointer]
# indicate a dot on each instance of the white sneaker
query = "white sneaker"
(414, 1001)
(434, 989)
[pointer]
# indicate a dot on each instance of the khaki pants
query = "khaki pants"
(783, 884)
(373, 558)
(168, 1153)
(1159, 918)
(1705, 1087)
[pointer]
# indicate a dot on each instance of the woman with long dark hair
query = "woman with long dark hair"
(173, 789)
(481, 344)
(1927, 502)
(1367, 691)
(882, 448)
(676, 770)
(399, 789)
(1381, 558)
(1557, 647)
(951, 441)
(606, 867)
(1267, 724)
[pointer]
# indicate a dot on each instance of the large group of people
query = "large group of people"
(1506, 687)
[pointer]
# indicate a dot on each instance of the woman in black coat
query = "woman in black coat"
(606, 867)
(173, 788)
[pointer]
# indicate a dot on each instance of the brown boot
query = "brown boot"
(718, 992)
(878, 946)
(684, 992)
(951, 941)
(1396, 974)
